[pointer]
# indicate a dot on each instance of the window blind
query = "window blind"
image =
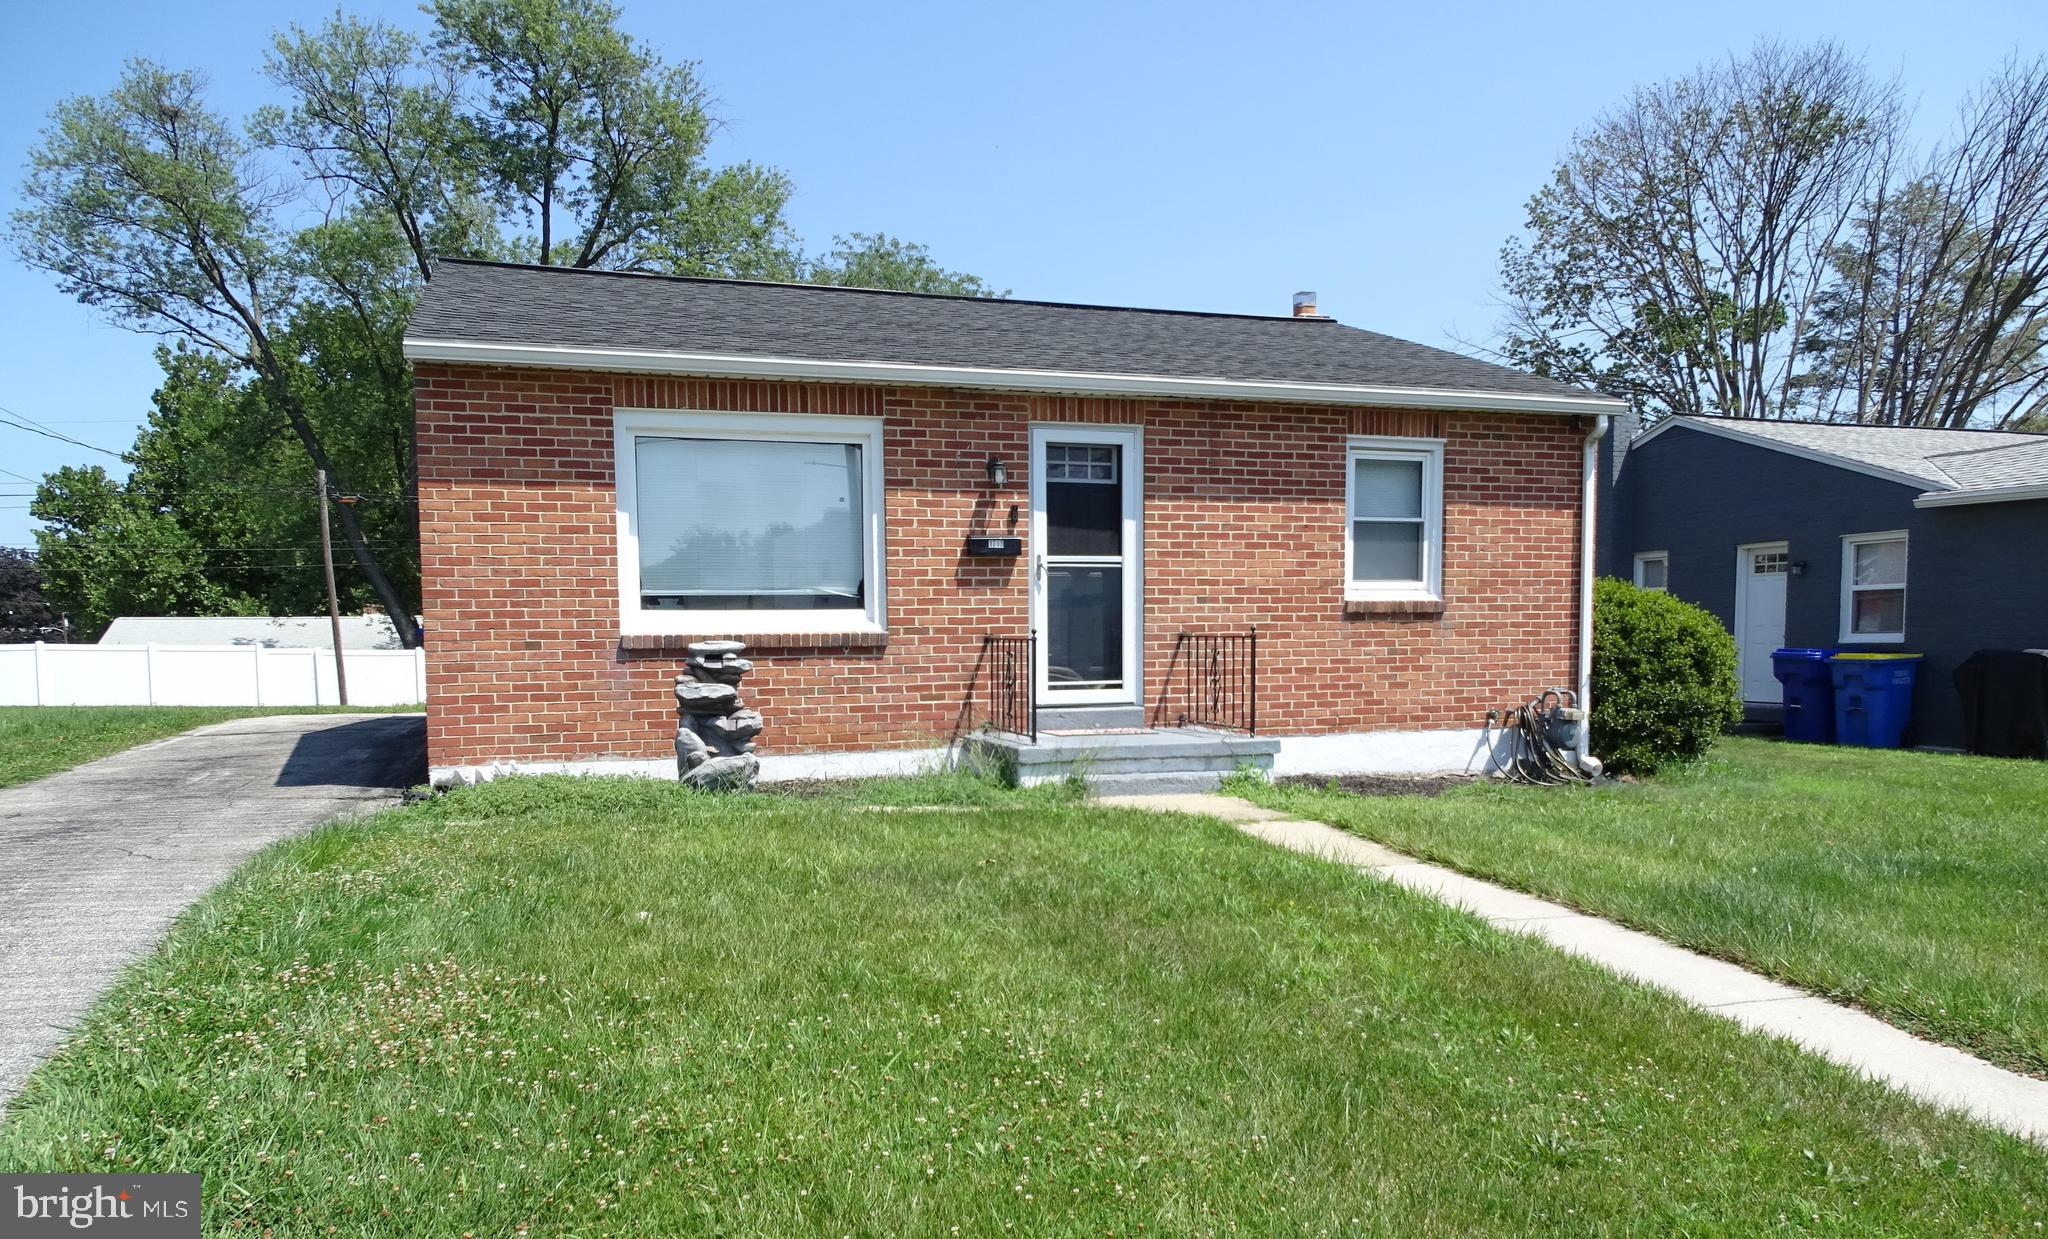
(741, 516)
(1387, 524)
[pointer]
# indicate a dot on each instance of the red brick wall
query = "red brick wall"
(1243, 524)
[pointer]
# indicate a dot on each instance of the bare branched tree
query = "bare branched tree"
(1938, 315)
(1678, 252)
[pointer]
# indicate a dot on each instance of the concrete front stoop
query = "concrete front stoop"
(1134, 762)
(1936, 1074)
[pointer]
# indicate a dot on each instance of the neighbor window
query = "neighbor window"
(1653, 570)
(1394, 543)
(739, 522)
(1874, 587)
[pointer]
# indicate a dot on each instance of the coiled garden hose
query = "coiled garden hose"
(1540, 736)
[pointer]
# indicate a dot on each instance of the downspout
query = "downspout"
(1589, 510)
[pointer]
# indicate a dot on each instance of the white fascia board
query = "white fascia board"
(723, 365)
(1715, 427)
(1988, 494)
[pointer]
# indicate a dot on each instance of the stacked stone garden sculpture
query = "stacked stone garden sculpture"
(714, 734)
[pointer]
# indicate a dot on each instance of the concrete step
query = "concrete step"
(1028, 776)
(1201, 755)
(1107, 760)
(1148, 746)
(1155, 784)
(1064, 718)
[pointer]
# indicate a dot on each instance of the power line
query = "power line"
(292, 566)
(25, 417)
(138, 492)
(29, 424)
(33, 426)
(229, 548)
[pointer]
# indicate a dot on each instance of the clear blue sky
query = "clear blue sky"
(1190, 155)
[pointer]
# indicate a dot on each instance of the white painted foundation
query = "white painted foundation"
(1462, 751)
(775, 767)
(1359, 752)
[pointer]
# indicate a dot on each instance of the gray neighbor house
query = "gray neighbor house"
(1869, 538)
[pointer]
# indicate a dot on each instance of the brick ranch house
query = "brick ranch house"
(866, 486)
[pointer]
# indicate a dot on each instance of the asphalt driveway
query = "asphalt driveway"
(96, 862)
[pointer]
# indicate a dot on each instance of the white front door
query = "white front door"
(1087, 486)
(1759, 617)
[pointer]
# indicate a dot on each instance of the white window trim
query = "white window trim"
(1849, 544)
(1400, 447)
(628, 424)
(1643, 557)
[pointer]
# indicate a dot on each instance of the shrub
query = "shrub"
(1664, 685)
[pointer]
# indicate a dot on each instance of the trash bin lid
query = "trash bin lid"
(1873, 658)
(1794, 651)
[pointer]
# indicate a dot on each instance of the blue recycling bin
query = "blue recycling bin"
(1873, 698)
(1809, 693)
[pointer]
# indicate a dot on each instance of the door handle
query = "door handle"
(1039, 560)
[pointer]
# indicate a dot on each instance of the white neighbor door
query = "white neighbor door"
(1086, 487)
(1759, 617)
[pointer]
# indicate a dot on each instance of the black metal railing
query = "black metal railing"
(1222, 670)
(1009, 671)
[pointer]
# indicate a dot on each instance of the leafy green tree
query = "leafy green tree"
(593, 142)
(534, 130)
(1676, 255)
(224, 500)
(878, 260)
(105, 553)
(146, 206)
(375, 121)
(26, 612)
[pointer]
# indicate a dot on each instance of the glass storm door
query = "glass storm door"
(1085, 488)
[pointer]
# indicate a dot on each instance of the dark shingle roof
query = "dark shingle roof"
(492, 303)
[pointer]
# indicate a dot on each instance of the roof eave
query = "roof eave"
(717, 365)
(1986, 494)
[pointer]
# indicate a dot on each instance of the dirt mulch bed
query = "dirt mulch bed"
(1379, 784)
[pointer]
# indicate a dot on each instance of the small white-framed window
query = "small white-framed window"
(748, 522)
(1081, 462)
(1653, 570)
(1874, 587)
(1394, 518)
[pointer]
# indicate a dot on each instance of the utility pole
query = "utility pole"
(333, 604)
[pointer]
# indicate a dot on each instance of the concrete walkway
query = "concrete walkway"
(1933, 1073)
(97, 861)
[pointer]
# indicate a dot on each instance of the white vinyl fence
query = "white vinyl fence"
(204, 675)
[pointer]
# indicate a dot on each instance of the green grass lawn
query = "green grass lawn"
(1912, 884)
(613, 1007)
(40, 740)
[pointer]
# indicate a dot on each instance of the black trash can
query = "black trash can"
(2005, 703)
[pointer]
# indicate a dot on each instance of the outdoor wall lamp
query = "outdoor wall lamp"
(998, 472)
(1796, 568)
